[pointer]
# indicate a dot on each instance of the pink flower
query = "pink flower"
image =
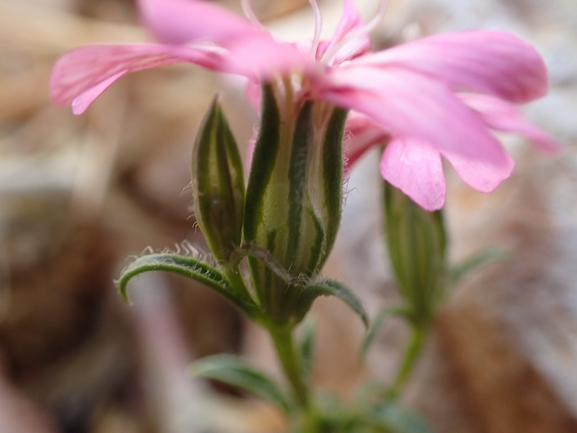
(405, 96)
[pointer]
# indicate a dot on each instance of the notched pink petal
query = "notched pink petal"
(479, 174)
(502, 116)
(416, 169)
(182, 21)
(485, 61)
(84, 99)
(83, 74)
(413, 106)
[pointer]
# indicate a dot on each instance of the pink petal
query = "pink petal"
(486, 61)
(416, 169)
(408, 105)
(80, 76)
(181, 21)
(479, 174)
(253, 94)
(362, 134)
(502, 116)
(250, 50)
(259, 57)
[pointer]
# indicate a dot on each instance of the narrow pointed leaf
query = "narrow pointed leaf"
(189, 267)
(234, 371)
(377, 325)
(394, 418)
(484, 257)
(329, 287)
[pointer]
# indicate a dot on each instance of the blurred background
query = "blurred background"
(80, 196)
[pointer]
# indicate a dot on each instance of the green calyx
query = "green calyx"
(294, 197)
(283, 228)
(416, 241)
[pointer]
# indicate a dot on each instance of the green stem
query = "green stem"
(409, 360)
(291, 364)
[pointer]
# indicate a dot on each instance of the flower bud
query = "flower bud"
(416, 241)
(218, 184)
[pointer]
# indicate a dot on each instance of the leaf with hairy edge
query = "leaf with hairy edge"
(329, 287)
(234, 371)
(395, 418)
(189, 267)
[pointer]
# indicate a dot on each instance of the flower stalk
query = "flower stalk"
(290, 360)
(408, 361)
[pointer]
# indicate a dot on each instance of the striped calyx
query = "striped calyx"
(294, 198)
(416, 241)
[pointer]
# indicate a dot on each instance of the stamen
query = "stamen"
(318, 27)
(249, 13)
(366, 29)
(377, 18)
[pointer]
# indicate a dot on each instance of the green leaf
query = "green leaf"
(395, 418)
(218, 184)
(377, 324)
(189, 267)
(329, 287)
(234, 371)
(461, 270)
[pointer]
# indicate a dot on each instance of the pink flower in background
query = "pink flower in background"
(407, 96)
